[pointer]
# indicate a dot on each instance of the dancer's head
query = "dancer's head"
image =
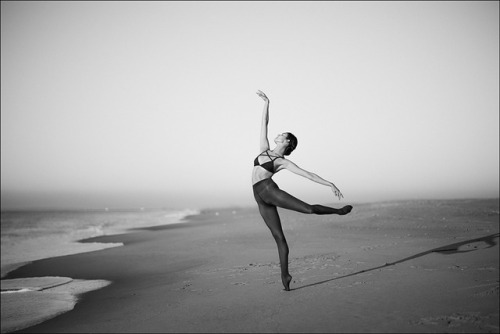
(292, 143)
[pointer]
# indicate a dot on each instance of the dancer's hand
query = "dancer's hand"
(262, 95)
(337, 192)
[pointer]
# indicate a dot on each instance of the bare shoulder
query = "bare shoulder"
(283, 163)
(292, 167)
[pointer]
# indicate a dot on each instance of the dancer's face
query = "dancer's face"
(281, 138)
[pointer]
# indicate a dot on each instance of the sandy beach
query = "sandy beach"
(409, 266)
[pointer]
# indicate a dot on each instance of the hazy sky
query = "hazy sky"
(114, 104)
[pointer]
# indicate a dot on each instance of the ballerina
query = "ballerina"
(269, 196)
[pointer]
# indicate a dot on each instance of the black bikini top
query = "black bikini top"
(268, 165)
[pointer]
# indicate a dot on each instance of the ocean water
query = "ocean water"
(28, 235)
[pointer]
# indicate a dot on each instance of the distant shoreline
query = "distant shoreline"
(217, 207)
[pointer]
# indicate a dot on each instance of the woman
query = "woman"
(269, 196)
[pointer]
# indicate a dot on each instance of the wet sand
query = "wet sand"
(410, 266)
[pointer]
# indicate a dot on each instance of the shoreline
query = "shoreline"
(80, 238)
(28, 301)
(221, 257)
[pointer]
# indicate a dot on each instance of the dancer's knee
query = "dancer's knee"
(283, 248)
(280, 238)
(310, 209)
(315, 209)
(305, 208)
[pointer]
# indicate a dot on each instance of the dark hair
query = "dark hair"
(292, 145)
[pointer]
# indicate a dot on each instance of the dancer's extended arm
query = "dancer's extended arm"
(264, 142)
(287, 164)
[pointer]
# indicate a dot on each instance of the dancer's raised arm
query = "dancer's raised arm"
(264, 142)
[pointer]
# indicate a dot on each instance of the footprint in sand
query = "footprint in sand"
(455, 320)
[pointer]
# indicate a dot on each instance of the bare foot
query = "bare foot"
(286, 281)
(345, 210)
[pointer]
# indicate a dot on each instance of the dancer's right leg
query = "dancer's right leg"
(272, 219)
(284, 200)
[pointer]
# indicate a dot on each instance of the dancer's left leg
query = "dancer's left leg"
(272, 219)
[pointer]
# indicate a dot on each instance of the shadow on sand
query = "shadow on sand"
(448, 249)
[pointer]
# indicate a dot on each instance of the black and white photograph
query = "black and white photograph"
(250, 166)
